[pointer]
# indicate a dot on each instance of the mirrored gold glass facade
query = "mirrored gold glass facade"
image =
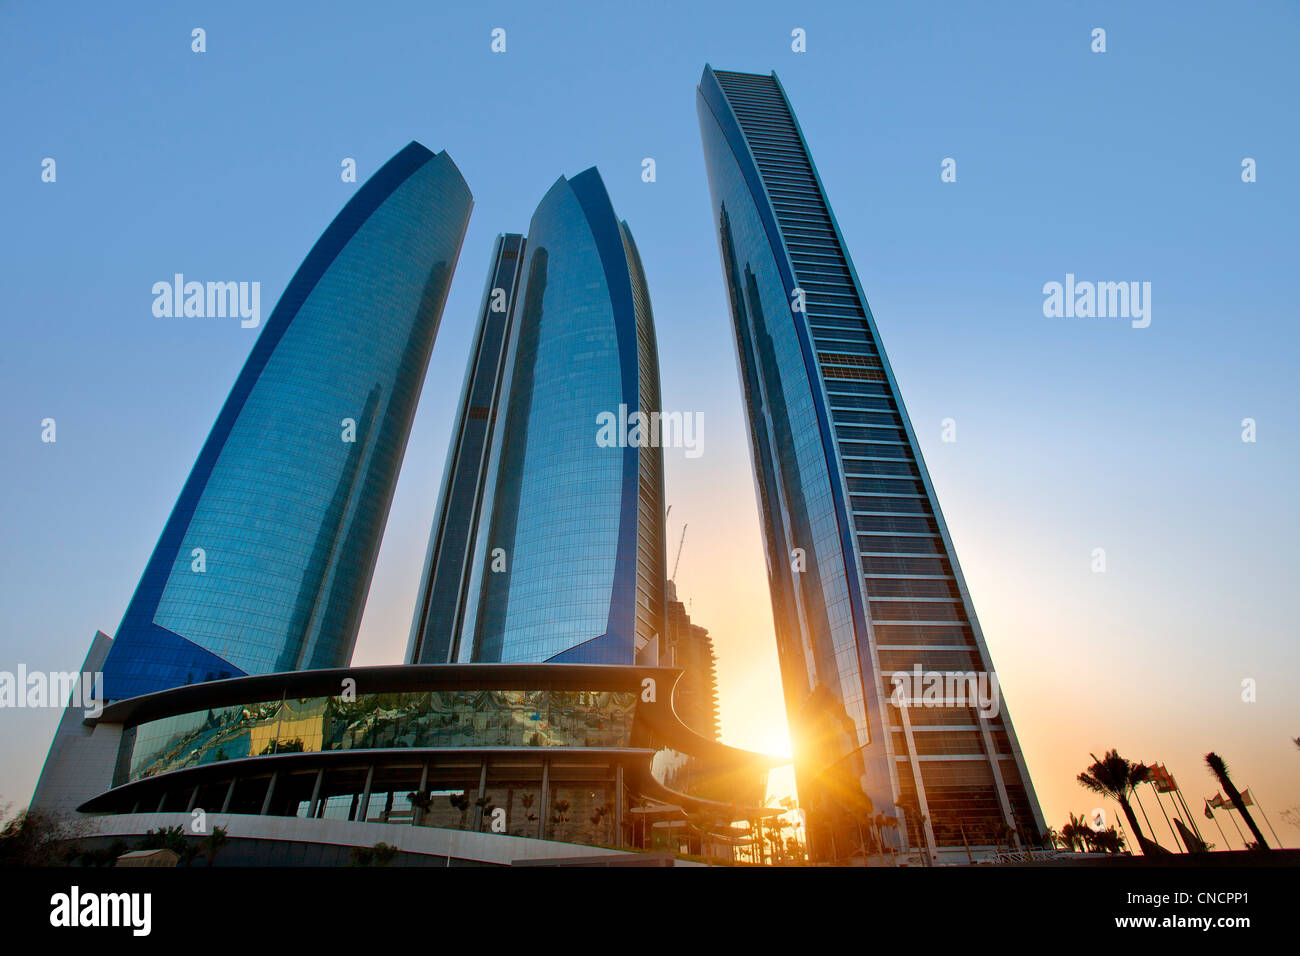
(441, 719)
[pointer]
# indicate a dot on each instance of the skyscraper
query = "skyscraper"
(864, 580)
(569, 556)
(440, 606)
(688, 646)
(266, 559)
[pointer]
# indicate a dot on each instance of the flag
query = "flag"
(1209, 814)
(1219, 803)
(1245, 798)
(1162, 779)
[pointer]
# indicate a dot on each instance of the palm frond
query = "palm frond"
(1093, 784)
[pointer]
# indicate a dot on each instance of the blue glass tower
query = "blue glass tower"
(864, 579)
(569, 560)
(266, 559)
(441, 603)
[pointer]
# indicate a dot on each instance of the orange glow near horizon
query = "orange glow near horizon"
(1086, 662)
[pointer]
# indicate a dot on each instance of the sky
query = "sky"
(1073, 434)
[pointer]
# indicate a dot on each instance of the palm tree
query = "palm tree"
(858, 809)
(994, 831)
(889, 823)
(384, 854)
(1220, 770)
(913, 817)
(460, 801)
(876, 825)
(756, 831)
(1086, 835)
(1108, 840)
(560, 817)
(780, 842)
(598, 814)
(1115, 777)
(527, 800)
(213, 842)
(1075, 833)
(485, 810)
(1005, 833)
(421, 802)
(117, 848)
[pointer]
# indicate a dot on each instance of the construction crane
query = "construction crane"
(681, 541)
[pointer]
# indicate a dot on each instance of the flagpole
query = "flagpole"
(1150, 828)
(1226, 844)
(1190, 816)
(1238, 829)
(1265, 816)
(1177, 800)
(1177, 842)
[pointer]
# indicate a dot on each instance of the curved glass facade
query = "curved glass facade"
(568, 752)
(863, 577)
(446, 566)
(570, 565)
(441, 719)
(289, 496)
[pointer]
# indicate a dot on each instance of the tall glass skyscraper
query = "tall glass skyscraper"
(569, 556)
(864, 580)
(441, 604)
(266, 560)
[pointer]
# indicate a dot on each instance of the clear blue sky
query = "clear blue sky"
(1072, 433)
